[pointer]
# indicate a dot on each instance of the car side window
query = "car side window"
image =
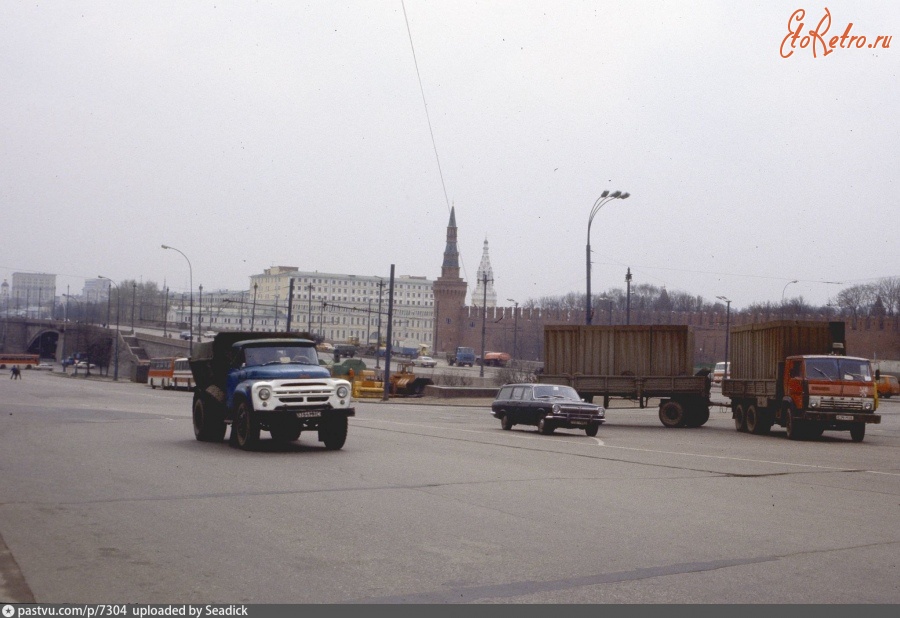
(517, 392)
(504, 392)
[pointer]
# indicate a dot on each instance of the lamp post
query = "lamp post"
(118, 310)
(727, 331)
(253, 311)
(782, 295)
(515, 325)
(133, 299)
(605, 197)
(191, 282)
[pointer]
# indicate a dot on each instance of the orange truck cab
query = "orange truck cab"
(828, 392)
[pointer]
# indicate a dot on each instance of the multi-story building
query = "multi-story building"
(95, 290)
(33, 294)
(342, 307)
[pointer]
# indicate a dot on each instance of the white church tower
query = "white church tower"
(485, 272)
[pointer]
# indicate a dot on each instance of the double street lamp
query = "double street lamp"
(118, 307)
(605, 197)
(191, 283)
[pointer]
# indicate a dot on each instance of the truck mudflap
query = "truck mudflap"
(839, 418)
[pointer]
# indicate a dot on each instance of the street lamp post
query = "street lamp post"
(118, 311)
(782, 295)
(133, 299)
(191, 283)
(727, 331)
(515, 326)
(605, 197)
(253, 311)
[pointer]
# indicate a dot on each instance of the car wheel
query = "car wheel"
(246, 426)
(592, 429)
(333, 432)
(857, 432)
(545, 427)
(208, 423)
(506, 422)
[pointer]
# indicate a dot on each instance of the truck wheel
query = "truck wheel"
(592, 429)
(671, 414)
(246, 427)
(756, 423)
(740, 417)
(286, 431)
(333, 433)
(857, 432)
(506, 422)
(793, 427)
(815, 430)
(208, 423)
(544, 426)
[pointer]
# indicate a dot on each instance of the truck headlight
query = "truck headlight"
(867, 405)
(342, 391)
(264, 393)
(813, 403)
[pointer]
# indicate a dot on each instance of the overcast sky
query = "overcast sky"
(253, 134)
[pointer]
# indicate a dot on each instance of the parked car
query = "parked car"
(547, 406)
(719, 372)
(424, 361)
(85, 365)
(888, 386)
(44, 366)
(185, 334)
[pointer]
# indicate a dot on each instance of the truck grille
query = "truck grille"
(839, 403)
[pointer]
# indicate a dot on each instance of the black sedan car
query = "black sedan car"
(547, 406)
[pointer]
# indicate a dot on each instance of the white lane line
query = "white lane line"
(644, 450)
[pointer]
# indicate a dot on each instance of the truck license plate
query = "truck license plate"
(844, 417)
(309, 414)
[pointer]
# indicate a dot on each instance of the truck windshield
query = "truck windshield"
(852, 369)
(302, 355)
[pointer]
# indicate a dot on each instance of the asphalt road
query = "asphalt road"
(106, 497)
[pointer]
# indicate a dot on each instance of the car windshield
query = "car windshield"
(554, 391)
(303, 355)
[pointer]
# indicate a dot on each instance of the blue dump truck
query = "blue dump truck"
(266, 381)
(462, 356)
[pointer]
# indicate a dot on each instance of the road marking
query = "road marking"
(641, 450)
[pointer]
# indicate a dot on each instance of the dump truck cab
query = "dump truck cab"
(261, 381)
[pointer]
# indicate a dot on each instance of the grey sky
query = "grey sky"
(284, 133)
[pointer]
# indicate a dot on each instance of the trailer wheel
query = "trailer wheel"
(756, 421)
(857, 432)
(506, 422)
(671, 414)
(698, 415)
(208, 423)
(740, 417)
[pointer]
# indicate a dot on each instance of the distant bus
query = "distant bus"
(182, 376)
(23, 361)
(161, 372)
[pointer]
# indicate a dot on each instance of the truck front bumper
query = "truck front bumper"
(838, 419)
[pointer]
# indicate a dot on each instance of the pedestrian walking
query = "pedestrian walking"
(15, 373)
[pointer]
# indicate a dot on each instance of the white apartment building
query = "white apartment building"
(342, 307)
(33, 294)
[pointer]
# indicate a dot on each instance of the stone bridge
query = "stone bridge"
(58, 340)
